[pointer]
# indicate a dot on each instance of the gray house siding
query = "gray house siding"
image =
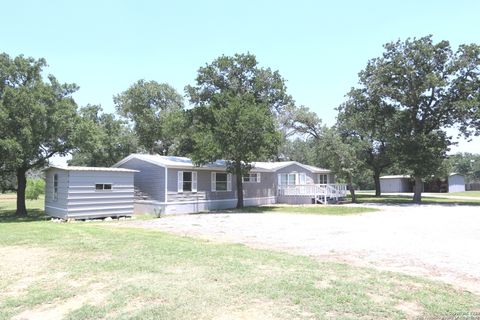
(150, 179)
(79, 199)
(204, 187)
(265, 188)
(311, 178)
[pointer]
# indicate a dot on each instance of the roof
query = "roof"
(396, 177)
(170, 161)
(455, 174)
(274, 166)
(78, 168)
(183, 162)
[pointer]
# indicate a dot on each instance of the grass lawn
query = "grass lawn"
(397, 199)
(475, 194)
(308, 209)
(91, 270)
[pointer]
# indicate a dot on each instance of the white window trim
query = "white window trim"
(297, 178)
(214, 182)
(180, 181)
(257, 177)
(326, 176)
(103, 190)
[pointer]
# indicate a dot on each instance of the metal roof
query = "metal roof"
(274, 166)
(183, 162)
(79, 168)
(396, 177)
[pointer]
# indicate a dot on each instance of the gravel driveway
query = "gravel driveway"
(438, 241)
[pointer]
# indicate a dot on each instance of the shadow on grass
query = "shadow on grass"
(407, 200)
(8, 216)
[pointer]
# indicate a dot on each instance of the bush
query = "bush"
(35, 187)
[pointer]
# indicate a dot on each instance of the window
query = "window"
(55, 187)
(103, 186)
(291, 179)
(187, 181)
(322, 178)
(287, 179)
(251, 177)
(221, 181)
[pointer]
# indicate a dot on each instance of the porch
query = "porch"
(311, 193)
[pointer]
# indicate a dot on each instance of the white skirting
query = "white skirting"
(172, 208)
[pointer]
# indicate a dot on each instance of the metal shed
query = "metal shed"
(456, 182)
(396, 183)
(88, 192)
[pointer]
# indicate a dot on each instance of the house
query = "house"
(88, 192)
(171, 185)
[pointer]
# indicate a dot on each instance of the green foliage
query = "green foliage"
(430, 88)
(368, 120)
(339, 154)
(156, 110)
(300, 150)
(38, 118)
(237, 114)
(111, 139)
(35, 187)
(467, 164)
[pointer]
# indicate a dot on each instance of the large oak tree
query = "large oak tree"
(365, 117)
(112, 139)
(156, 110)
(239, 111)
(38, 119)
(431, 88)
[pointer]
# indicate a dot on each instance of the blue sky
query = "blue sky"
(318, 46)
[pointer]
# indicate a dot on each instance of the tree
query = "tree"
(35, 187)
(300, 150)
(467, 164)
(341, 156)
(367, 118)
(156, 110)
(38, 119)
(431, 88)
(237, 114)
(112, 139)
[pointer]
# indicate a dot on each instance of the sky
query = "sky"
(318, 46)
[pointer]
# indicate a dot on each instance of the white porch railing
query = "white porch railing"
(321, 192)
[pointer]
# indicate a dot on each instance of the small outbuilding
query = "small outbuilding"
(88, 192)
(456, 182)
(396, 183)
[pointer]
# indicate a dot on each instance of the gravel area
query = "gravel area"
(438, 241)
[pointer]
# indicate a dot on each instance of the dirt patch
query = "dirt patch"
(411, 309)
(20, 267)
(256, 310)
(94, 295)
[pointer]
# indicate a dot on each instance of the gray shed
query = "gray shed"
(456, 182)
(396, 183)
(88, 192)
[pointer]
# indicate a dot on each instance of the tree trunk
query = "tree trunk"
(417, 190)
(22, 185)
(352, 189)
(376, 178)
(238, 174)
